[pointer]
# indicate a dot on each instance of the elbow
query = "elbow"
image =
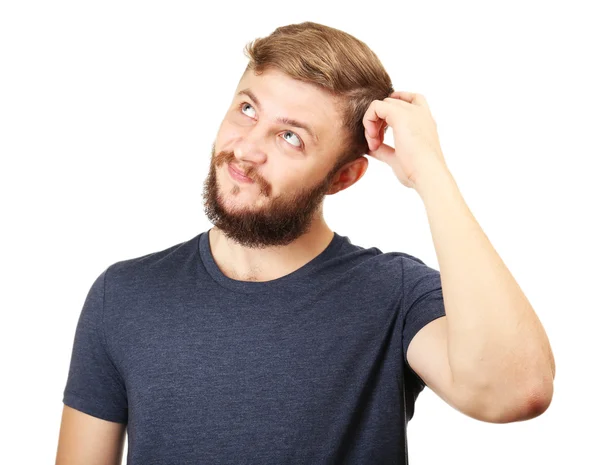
(533, 400)
(530, 405)
(539, 399)
(509, 400)
(539, 396)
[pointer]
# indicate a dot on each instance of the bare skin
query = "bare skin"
(84, 439)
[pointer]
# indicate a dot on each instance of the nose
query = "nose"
(250, 146)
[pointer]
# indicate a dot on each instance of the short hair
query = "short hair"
(333, 60)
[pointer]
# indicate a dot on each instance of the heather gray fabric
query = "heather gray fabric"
(309, 368)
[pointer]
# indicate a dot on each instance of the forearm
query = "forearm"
(496, 342)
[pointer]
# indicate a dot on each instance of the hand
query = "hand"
(417, 146)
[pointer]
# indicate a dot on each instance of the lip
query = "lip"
(237, 175)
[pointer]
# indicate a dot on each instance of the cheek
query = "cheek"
(288, 178)
(227, 134)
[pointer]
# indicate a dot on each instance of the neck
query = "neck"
(246, 264)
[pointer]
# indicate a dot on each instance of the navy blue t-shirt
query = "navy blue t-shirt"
(309, 368)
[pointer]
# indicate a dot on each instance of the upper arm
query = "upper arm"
(87, 440)
(95, 385)
(95, 412)
(425, 349)
(424, 326)
(427, 356)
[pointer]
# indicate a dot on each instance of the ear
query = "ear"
(348, 174)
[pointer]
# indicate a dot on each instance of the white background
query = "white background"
(107, 115)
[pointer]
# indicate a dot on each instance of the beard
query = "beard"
(278, 222)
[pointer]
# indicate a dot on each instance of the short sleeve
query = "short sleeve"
(422, 300)
(94, 385)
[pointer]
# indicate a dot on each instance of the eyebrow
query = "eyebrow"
(281, 119)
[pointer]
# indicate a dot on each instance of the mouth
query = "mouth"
(237, 175)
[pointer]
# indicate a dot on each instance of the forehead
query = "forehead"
(283, 97)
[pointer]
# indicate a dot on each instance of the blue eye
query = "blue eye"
(298, 146)
(244, 104)
(296, 136)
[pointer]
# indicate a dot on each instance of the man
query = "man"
(272, 339)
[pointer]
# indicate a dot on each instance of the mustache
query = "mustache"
(228, 157)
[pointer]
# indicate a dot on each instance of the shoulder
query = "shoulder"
(161, 261)
(147, 276)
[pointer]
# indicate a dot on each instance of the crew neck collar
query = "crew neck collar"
(208, 260)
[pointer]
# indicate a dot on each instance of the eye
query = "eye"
(298, 145)
(243, 105)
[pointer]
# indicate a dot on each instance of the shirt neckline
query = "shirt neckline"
(207, 258)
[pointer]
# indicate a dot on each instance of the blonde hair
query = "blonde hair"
(333, 60)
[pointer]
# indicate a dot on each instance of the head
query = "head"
(294, 128)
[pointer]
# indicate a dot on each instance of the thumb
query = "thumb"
(384, 153)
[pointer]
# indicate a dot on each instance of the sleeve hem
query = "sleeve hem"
(422, 320)
(408, 340)
(417, 326)
(92, 408)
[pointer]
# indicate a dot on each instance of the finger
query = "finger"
(374, 142)
(378, 110)
(383, 152)
(397, 101)
(371, 126)
(381, 134)
(405, 96)
(410, 97)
